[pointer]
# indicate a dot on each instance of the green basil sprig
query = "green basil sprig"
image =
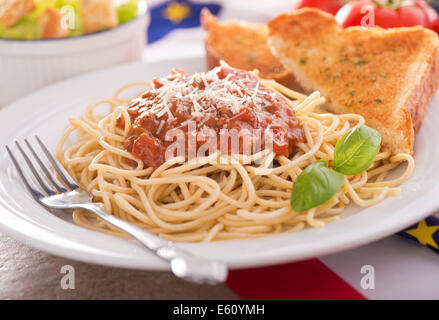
(353, 154)
(356, 150)
(314, 186)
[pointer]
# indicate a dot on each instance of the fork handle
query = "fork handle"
(183, 264)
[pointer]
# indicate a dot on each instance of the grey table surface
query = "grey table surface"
(27, 273)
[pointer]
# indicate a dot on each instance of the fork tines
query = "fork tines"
(47, 179)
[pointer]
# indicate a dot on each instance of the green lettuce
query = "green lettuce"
(28, 29)
(127, 10)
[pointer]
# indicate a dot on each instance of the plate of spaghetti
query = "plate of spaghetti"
(225, 163)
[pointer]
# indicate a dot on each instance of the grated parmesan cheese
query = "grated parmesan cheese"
(217, 93)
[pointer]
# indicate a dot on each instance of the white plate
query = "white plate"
(46, 112)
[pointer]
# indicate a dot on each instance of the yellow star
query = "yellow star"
(424, 234)
(176, 12)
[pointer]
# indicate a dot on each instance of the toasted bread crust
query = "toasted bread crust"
(420, 98)
(387, 76)
(242, 45)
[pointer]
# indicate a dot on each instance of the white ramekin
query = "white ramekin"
(28, 65)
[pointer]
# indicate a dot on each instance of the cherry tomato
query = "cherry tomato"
(388, 14)
(330, 6)
(432, 15)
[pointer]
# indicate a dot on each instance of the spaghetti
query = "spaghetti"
(218, 196)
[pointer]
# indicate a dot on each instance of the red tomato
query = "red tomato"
(351, 13)
(389, 15)
(330, 6)
(432, 15)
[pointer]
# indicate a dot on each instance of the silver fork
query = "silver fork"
(55, 195)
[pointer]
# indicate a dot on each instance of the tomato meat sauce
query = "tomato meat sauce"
(206, 106)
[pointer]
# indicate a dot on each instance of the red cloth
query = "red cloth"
(304, 280)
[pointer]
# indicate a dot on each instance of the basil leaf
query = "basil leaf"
(356, 150)
(314, 186)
